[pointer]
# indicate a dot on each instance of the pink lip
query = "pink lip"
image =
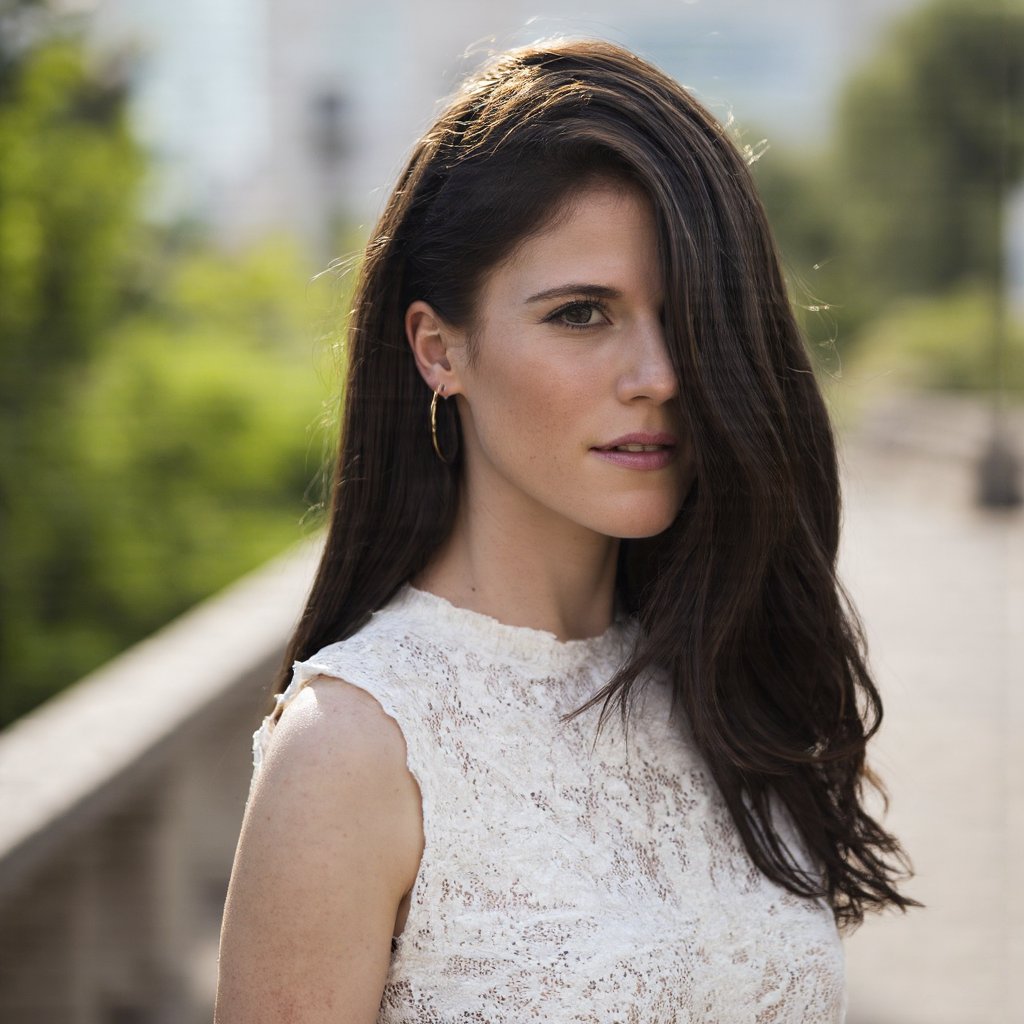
(639, 438)
(640, 460)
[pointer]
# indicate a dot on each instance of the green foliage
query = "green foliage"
(942, 343)
(795, 189)
(907, 199)
(160, 409)
(198, 440)
(68, 180)
(931, 133)
(184, 454)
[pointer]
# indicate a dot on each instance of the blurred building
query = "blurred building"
(295, 113)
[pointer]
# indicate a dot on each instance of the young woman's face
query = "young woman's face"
(570, 406)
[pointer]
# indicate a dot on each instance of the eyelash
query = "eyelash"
(577, 304)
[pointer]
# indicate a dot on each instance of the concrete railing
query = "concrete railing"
(121, 801)
(947, 426)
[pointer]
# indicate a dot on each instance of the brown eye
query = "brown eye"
(579, 315)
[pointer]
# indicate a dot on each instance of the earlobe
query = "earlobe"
(429, 338)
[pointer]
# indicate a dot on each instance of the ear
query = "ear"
(431, 340)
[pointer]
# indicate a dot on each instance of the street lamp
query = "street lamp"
(329, 145)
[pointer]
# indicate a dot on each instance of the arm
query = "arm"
(330, 843)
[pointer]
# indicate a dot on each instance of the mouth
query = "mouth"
(636, 448)
(639, 442)
(639, 451)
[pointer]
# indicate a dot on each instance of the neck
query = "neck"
(525, 567)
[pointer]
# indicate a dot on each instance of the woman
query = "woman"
(577, 721)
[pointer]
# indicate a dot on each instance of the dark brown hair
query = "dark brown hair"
(738, 600)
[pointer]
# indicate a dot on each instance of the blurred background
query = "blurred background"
(183, 190)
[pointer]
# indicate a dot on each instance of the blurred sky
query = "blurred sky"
(224, 88)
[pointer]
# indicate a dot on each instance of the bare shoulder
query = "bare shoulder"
(330, 844)
(332, 724)
(336, 761)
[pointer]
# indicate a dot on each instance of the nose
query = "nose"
(647, 370)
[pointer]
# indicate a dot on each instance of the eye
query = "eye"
(579, 315)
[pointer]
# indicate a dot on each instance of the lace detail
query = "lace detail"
(568, 876)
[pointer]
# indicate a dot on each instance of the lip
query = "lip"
(658, 459)
(640, 437)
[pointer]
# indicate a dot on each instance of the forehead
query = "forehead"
(603, 234)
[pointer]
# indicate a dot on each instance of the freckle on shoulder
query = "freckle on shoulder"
(344, 720)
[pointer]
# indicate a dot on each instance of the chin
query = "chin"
(641, 523)
(640, 534)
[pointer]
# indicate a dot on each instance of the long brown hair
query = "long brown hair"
(739, 599)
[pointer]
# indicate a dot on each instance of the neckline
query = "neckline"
(540, 647)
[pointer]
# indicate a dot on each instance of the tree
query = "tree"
(931, 131)
(158, 399)
(68, 178)
(797, 189)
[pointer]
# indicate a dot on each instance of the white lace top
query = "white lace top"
(566, 877)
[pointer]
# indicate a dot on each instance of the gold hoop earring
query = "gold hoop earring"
(447, 460)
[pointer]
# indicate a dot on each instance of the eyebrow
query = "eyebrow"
(598, 291)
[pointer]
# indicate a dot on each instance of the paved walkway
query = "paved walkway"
(940, 585)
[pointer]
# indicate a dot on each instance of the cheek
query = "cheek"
(536, 413)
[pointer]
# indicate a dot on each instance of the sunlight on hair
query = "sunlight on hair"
(754, 153)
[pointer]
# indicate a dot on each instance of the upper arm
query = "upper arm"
(330, 842)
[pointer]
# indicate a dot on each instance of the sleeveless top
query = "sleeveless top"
(566, 875)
